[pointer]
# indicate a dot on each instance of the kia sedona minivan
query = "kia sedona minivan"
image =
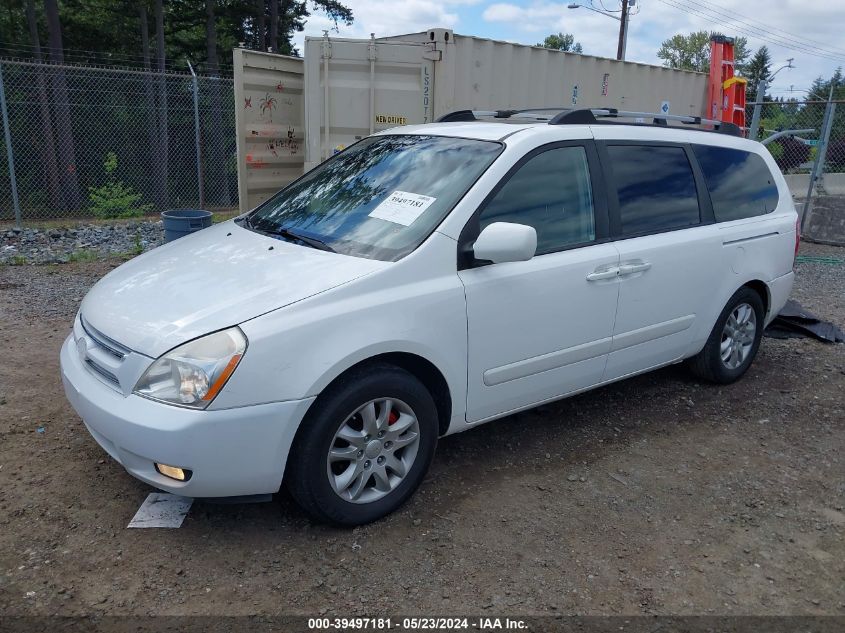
(424, 281)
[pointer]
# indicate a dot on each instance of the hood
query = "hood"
(212, 279)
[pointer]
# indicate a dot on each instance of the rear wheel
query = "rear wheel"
(734, 341)
(364, 447)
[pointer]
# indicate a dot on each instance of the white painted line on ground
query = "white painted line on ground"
(161, 510)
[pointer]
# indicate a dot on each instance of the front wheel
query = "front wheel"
(364, 447)
(734, 341)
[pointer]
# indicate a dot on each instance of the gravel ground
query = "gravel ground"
(84, 242)
(656, 495)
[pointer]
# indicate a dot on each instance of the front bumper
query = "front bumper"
(232, 452)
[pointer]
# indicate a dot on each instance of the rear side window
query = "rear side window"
(656, 188)
(740, 183)
(551, 192)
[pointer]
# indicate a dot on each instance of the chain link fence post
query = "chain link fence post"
(10, 155)
(758, 108)
(197, 138)
(821, 150)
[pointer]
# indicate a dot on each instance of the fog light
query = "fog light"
(174, 472)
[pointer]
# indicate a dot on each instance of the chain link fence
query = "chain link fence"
(795, 132)
(807, 140)
(104, 142)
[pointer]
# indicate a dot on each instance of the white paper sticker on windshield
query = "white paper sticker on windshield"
(402, 207)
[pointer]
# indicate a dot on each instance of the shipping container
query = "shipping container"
(269, 123)
(354, 87)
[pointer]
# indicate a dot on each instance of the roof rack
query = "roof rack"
(589, 116)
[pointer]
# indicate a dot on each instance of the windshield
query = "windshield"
(380, 198)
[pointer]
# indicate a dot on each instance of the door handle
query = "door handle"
(633, 267)
(603, 272)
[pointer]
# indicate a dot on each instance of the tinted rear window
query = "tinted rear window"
(740, 183)
(656, 188)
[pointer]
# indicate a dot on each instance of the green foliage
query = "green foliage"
(109, 31)
(83, 255)
(758, 68)
(562, 42)
(789, 153)
(775, 150)
(114, 199)
(692, 52)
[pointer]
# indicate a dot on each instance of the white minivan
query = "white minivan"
(423, 281)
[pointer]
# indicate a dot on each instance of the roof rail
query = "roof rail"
(658, 118)
(590, 116)
(472, 115)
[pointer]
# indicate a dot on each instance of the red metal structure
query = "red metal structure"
(726, 93)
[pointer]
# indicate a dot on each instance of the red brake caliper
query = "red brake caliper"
(392, 417)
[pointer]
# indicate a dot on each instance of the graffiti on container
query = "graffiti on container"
(605, 82)
(280, 87)
(268, 104)
(290, 143)
(256, 163)
(247, 102)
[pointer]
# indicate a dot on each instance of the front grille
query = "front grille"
(112, 347)
(102, 371)
(103, 355)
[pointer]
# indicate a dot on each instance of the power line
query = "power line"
(758, 31)
(774, 28)
(754, 32)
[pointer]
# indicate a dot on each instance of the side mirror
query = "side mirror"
(502, 242)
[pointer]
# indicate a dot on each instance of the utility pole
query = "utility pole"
(623, 31)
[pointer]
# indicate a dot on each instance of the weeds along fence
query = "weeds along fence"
(105, 142)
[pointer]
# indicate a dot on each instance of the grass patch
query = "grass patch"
(84, 255)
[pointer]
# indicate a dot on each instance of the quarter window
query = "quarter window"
(656, 188)
(552, 193)
(740, 183)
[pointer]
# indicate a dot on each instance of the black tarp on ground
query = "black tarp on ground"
(794, 320)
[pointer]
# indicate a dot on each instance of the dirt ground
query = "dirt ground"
(658, 495)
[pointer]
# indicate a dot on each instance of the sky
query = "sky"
(813, 33)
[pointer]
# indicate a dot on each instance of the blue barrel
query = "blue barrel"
(180, 222)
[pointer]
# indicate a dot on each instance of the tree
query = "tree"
(692, 52)
(758, 69)
(48, 145)
(163, 134)
(65, 154)
(108, 32)
(562, 42)
(216, 160)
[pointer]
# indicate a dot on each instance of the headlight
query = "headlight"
(192, 374)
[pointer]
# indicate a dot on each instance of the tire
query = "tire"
(346, 421)
(710, 364)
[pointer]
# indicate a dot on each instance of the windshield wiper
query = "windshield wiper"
(313, 242)
(290, 234)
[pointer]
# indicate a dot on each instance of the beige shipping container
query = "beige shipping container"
(482, 74)
(345, 89)
(269, 123)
